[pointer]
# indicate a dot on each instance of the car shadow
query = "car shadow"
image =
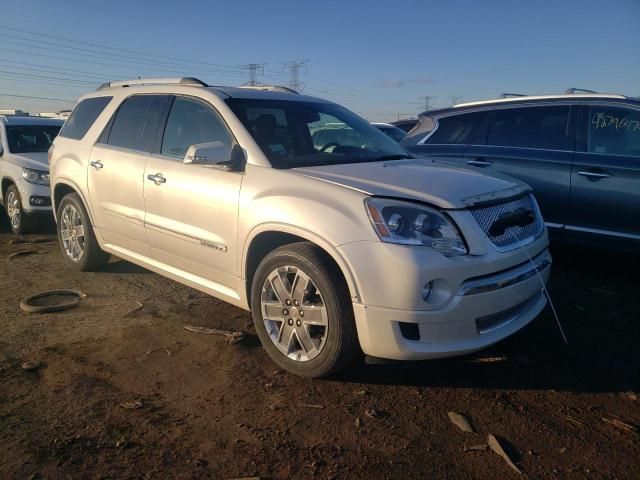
(597, 298)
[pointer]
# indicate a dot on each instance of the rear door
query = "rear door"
(448, 138)
(116, 170)
(534, 144)
(605, 178)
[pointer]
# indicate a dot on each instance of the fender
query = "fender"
(70, 183)
(307, 235)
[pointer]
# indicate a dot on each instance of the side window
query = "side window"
(532, 127)
(614, 131)
(136, 122)
(192, 122)
(83, 117)
(457, 129)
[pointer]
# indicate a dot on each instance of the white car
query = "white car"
(24, 169)
(336, 248)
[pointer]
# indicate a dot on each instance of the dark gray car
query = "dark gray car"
(580, 153)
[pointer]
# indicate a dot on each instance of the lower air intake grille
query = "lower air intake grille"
(494, 321)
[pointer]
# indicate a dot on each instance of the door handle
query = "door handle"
(97, 164)
(479, 162)
(594, 175)
(157, 178)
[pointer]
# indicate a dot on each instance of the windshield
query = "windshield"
(31, 138)
(300, 134)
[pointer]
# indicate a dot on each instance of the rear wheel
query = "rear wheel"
(76, 237)
(20, 221)
(302, 311)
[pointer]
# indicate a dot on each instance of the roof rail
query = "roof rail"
(571, 91)
(270, 88)
(509, 95)
(154, 81)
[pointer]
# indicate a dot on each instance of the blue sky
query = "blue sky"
(377, 58)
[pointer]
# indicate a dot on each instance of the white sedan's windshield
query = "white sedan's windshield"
(296, 134)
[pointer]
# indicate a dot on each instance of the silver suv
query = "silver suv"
(336, 248)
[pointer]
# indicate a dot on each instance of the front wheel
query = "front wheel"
(302, 311)
(76, 237)
(20, 221)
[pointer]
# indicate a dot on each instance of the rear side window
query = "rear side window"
(136, 122)
(190, 123)
(457, 129)
(532, 127)
(614, 131)
(83, 116)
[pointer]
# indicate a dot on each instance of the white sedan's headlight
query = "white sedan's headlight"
(413, 224)
(35, 176)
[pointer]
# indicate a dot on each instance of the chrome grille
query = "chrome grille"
(514, 234)
(492, 322)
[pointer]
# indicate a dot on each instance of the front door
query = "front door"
(116, 169)
(192, 210)
(605, 178)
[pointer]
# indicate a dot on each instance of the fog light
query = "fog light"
(40, 201)
(425, 291)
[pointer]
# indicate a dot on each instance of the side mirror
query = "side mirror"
(210, 153)
(217, 154)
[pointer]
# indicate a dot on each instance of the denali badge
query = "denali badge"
(217, 246)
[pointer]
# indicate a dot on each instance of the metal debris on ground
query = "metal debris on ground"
(620, 424)
(496, 447)
(31, 365)
(132, 405)
(373, 413)
(358, 422)
(487, 360)
(233, 337)
(461, 422)
(41, 240)
(135, 309)
(24, 253)
(311, 405)
(476, 448)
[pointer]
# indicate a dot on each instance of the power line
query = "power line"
(106, 47)
(37, 98)
(253, 69)
(294, 67)
(108, 56)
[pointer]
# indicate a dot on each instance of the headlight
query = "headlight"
(35, 176)
(411, 224)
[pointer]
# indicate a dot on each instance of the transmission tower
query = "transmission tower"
(293, 67)
(455, 99)
(427, 102)
(253, 69)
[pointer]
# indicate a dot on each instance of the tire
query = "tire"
(85, 255)
(19, 221)
(329, 336)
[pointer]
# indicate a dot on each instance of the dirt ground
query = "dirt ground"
(209, 409)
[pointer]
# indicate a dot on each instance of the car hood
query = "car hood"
(419, 179)
(34, 160)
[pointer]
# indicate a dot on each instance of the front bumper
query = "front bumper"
(29, 192)
(475, 302)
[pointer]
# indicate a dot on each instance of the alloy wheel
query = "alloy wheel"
(294, 313)
(72, 232)
(14, 210)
